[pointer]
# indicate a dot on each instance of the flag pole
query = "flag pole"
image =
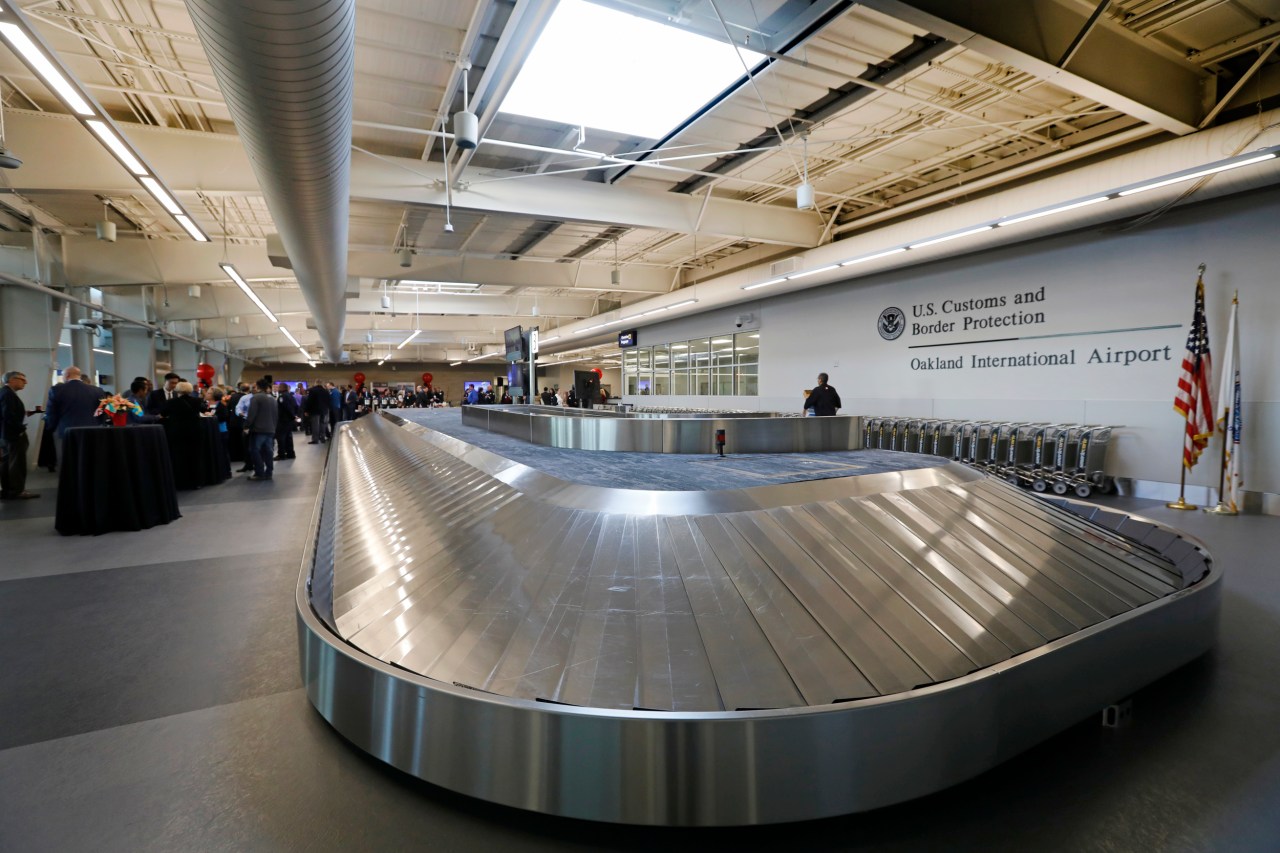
(1181, 502)
(1222, 507)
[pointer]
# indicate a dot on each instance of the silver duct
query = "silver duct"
(286, 71)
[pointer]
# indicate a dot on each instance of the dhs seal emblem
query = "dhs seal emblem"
(891, 324)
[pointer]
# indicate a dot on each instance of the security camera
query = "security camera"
(742, 319)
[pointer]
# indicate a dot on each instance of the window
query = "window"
(724, 365)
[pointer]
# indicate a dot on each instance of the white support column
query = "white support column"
(183, 356)
(82, 340)
(135, 351)
(29, 327)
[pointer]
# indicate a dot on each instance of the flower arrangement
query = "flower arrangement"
(118, 408)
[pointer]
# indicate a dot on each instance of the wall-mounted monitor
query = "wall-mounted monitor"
(514, 340)
(628, 338)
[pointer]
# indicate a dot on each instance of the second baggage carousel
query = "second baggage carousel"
(513, 630)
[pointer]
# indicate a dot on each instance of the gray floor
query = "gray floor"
(149, 700)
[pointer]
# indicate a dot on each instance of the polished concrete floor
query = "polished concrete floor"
(150, 700)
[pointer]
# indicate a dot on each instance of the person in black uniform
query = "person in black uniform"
(285, 422)
(13, 439)
(823, 399)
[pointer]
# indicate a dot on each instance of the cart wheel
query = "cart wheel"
(1038, 485)
(1013, 480)
(1059, 487)
(1084, 490)
(1108, 486)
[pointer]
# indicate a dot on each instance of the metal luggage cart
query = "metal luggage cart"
(913, 436)
(898, 433)
(1025, 446)
(947, 439)
(1001, 455)
(1066, 449)
(1091, 457)
(975, 438)
(871, 433)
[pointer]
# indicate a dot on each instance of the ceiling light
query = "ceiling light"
(632, 317)
(654, 311)
(290, 336)
(956, 236)
(550, 339)
(248, 291)
(117, 147)
(412, 281)
(872, 257)
(1060, 209)
(40, 64)
(161, 195)
(765, 283)
(681, 304)
(454, 363)
(1199, 174)
(812, 272)
(415, 333)
(103, 351)
(381, 362)
(482, 355)
(191, 228)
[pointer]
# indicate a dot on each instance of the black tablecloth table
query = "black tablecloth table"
(115, 478)
(198, 456)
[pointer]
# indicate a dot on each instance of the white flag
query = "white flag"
(1231, 420)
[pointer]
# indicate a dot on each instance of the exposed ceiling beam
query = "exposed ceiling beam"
(1110, 66)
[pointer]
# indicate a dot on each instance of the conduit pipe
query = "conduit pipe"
(286, 71)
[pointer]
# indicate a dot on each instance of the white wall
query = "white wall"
(1095, 283)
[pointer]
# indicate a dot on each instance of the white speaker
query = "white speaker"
(804, 196)
(406, 257)
(107, 231)
(466, 129)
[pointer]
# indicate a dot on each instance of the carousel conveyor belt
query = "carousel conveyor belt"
(736, 656)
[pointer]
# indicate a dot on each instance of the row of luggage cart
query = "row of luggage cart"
(1043, 456)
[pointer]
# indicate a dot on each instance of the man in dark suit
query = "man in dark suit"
(284, 423)
(316, 407)
(13, 439)
(823, 399)
(157, 398)
(74, 403)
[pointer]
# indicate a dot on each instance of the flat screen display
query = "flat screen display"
(629, 338)
(514, 339)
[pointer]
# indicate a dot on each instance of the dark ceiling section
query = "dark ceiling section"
(920, 52)
(530, 237)
(604, 238)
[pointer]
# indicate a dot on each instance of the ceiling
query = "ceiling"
(893, 106)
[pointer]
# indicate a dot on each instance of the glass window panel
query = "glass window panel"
(747, 347)
(748, 381)
(700, 352)
(722, 351)
(700, 381)
(630, 360)
(646, 382)
(661, 382)
(722, 381)
(646, 358)
(680, 382)
(633, 383)
(680, 356)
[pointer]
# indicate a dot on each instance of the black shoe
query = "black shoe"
(313, 442)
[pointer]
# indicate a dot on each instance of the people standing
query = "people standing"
(13, 439)
(335, 407)
(288, 414)
(157, 398)
(74, 403)
(316, 408)
(261, 421)
(823, 399)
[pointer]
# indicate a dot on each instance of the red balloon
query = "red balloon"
(205, 373)
(598, 372)
(359, 378)
(426, 378)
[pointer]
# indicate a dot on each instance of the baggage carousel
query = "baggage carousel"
(748, 654)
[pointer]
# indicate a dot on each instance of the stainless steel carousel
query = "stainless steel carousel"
(739, 656)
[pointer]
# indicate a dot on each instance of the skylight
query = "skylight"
(598, 68)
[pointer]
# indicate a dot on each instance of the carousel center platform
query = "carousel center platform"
(683, 640)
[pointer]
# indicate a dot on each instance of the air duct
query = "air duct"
(287, 73)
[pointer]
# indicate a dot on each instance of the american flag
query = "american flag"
(1193, 400)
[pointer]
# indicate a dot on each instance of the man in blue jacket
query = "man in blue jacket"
(335, 406)
(74, 403)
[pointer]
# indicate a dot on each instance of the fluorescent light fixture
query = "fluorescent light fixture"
(777, 280)
(1060, 209)
(483, 355)
(61, 344)
(812, 272)
(679, 346)
(415, 333)
(191, 228)
(40, 64)
(550, 339)
(957, 236)
(642, 78)
(415, 281)
(290, 336)
(681, 304)
(109, 139)
(161, 195)
(654, 311)
(248, 291)
(1199, 174)
(866, 258)
(380, 362)
(103, 351)
(451, 364)
(632, 317)
(310, 362)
